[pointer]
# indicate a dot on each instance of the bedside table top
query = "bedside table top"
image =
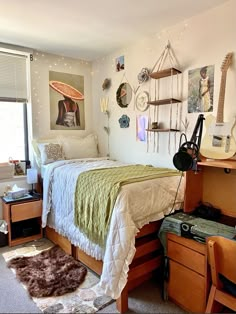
(27, 198)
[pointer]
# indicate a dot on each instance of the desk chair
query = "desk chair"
(222, 259)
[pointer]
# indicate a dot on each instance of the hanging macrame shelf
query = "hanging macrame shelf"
(165, 95)
(159, 74)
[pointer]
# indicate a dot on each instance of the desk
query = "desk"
(189, 276)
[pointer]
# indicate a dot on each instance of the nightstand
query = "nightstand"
(24, 220)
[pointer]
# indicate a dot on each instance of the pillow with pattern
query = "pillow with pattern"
(50, 152)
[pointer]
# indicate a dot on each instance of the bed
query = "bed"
(132, 251)
(137, 204)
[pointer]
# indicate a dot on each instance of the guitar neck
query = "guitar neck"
(220, 110)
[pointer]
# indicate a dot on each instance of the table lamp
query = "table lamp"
(32, 178)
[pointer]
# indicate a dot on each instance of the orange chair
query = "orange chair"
(222, 259)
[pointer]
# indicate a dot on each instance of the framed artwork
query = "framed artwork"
(120, 63)
(201, 89)
(66, 93)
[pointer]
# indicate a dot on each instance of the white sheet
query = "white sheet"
(136, 205)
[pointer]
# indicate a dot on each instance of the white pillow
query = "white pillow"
(36, 151)
(75, 148)
(50, 152)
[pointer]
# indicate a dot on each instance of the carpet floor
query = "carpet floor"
(15, 299)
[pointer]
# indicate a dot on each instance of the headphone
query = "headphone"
(184, 159)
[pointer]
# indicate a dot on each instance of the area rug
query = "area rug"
(87, 298)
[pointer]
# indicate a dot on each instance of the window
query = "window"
(14, 98)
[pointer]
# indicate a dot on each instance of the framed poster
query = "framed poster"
(66, 93)
(201, 89)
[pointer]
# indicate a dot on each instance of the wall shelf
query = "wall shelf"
(167, 101)
(164, 73)
(162, 130)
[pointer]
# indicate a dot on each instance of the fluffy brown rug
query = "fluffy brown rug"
(50, 273)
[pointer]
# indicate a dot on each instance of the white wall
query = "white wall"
(202, 40)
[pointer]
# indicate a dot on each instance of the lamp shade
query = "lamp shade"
(32, 176)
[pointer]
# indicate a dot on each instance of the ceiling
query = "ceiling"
(90, 29)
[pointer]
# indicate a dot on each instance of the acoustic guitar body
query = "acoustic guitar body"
(218, 142)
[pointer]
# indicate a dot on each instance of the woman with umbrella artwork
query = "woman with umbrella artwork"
(68, 109)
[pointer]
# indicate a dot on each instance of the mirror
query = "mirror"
(124, 95)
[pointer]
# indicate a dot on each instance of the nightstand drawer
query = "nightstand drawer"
(187, 257)
(26, 211)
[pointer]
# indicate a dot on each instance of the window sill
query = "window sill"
(15, 178)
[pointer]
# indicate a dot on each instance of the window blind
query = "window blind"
(13, 77)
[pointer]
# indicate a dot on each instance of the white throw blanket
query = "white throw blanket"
(136, 205)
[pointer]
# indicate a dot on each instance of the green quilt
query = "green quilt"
(96, 193)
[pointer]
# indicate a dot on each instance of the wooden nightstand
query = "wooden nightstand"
(189, 277)
(24, 220)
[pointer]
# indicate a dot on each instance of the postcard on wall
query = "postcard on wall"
(66, 101)
(120, 63)
(201, 89)
(141, 126)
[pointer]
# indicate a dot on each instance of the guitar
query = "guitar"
(218, 142)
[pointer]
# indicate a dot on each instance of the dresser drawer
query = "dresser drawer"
(187, 257)
(25, 211)
(187, 288)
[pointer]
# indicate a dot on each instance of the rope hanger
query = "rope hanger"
(167, 52)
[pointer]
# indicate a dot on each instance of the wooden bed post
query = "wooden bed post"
(122, 301)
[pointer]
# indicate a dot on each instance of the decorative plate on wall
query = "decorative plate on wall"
(142, 101)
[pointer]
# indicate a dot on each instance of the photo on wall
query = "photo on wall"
(66, 92)
(201, 89)
(120, 63)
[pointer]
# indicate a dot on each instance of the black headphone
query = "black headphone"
(183, 160)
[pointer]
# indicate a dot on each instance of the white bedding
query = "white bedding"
(136, 205)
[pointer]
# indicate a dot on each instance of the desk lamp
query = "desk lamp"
(32, 178)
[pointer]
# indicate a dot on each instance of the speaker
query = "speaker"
(185, 229)
(183, 160)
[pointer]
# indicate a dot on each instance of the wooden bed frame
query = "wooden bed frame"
(148, 258)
